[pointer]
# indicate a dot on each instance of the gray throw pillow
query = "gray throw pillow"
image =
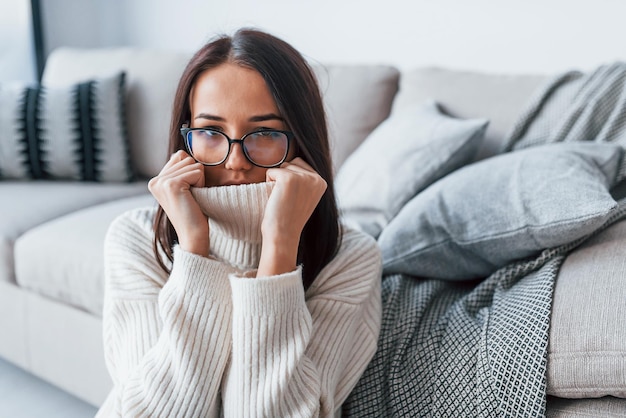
(509, 207)
(401, 157)
(76, 132)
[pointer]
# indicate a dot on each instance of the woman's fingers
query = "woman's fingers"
(298, 164)
(183, 177)
(296, 193)
(176, 161)
(180, 168)
(171, 188)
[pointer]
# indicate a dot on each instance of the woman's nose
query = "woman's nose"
(236, 159)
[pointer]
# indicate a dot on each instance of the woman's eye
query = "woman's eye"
(211, 132)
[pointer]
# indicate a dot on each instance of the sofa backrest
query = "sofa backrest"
(357, 98)
(500, 98)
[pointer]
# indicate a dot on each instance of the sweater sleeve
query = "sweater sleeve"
(297, 356)
(167, 340)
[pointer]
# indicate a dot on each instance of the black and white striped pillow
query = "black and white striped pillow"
(76, 132)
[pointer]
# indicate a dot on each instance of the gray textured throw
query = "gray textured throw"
(576, 107)
(450, 349)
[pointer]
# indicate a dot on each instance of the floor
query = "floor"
(25, 396)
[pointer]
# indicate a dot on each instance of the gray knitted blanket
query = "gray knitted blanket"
(479, 349)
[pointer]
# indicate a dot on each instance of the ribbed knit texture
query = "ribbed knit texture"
(206, 340)
(235, 214)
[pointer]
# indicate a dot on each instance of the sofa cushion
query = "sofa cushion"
(55, 342)
(152, 78)
(465, 94)
(587, 345)
(63, 259)
(506, 208)
(606, 407)
(357, 99)
(77, 132)
(28, 204)
(401, 157)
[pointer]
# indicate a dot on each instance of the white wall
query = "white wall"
(17, 58)
(538, 36)
(82, 23)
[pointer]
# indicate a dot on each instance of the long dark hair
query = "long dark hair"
(296, 93)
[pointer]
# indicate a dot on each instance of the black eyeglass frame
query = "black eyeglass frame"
(184, 131)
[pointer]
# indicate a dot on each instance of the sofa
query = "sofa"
(52, 230)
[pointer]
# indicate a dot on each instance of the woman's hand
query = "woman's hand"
(296, 193)
(171, 188)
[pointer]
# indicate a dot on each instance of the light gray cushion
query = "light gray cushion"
(76, 132)
(64, 259)
(404, 155)
(505, 208)
(587, 346)
(28, 204)
(607, 407)
(466, 94)
(357, 98)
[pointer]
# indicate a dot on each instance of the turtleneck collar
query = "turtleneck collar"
(235, 214)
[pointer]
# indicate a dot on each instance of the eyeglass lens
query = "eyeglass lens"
(265, 148)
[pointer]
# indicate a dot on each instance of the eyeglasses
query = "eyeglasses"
(264, 148)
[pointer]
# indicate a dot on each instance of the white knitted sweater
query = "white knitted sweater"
(208, 340)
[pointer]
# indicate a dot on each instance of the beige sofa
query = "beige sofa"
(51, 232)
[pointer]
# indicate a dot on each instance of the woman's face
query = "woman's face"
(234, 100)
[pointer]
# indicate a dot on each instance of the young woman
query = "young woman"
(241, 295)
